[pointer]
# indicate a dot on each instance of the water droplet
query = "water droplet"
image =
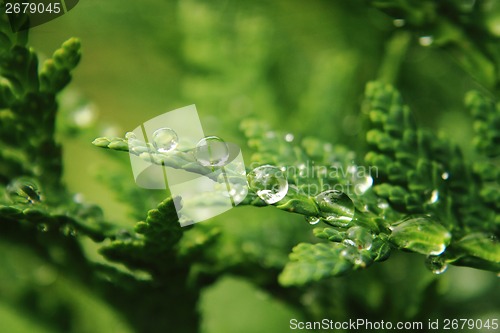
(398, 23)
(24, 190)
(362, 184)
(211, 151)
(313, 219)
(382, 204)
(361, 237)
(426, 40)
(445, 175)
(434, 197)
(360, 179)
(43, 227)
(335, 206)
(69, 230)
(351, 253)
(289, 137)
(436, 264)
(165, 140)
(269, 183)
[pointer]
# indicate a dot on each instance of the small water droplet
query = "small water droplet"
(165, 140)
(313, 219)
(43, 227)
(289, 137)
(69, 230)
(434, 197)
(335, 206)
(398, 23)
(361, 237)
(24, 190)
(212, 151)
(445, 175)
(426, 40)
(269, 183)
(436, 264)
(351, 253)
(382, 204)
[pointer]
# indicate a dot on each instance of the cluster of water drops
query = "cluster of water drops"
(210, 151)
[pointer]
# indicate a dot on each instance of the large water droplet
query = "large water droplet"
(445, 175)
(165, 140)
(211, 151)
(269, 183)
(24, 190)
(313, 219)
(436, 264)
(335, 206)
(361, 237)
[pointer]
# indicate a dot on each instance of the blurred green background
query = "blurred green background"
(300, 66)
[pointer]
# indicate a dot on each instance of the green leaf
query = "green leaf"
(480, 245)
(422, 234)
(313, 262)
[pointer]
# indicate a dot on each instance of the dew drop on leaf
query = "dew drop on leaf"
(269, 183)
(165, 140)
(24, 191)
(335, 206)
(313, 219)
(445, 175)
(351, 253)
(436, 264)
(361, 237)
(211, 151)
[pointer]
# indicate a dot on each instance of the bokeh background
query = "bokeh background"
(300, 66)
